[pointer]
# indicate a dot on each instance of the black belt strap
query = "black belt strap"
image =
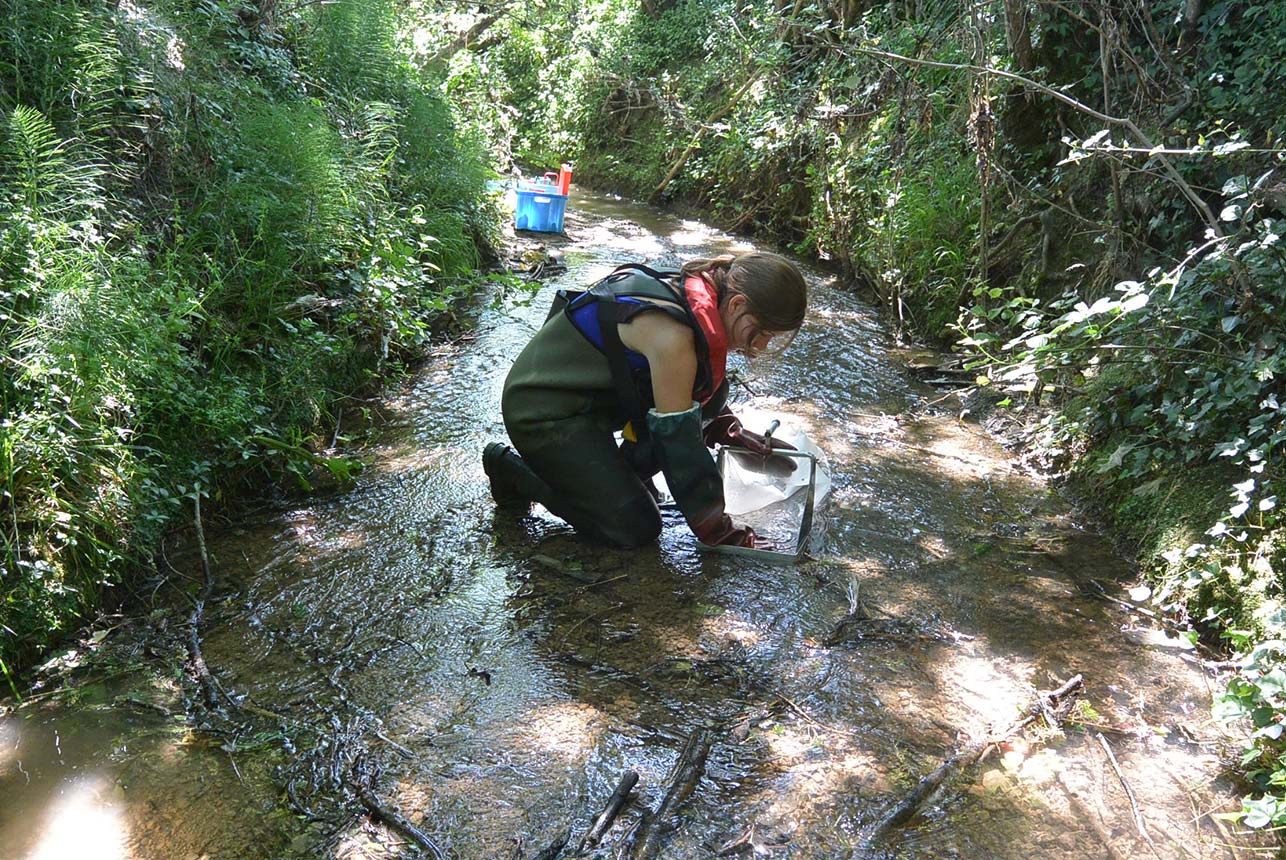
(611, 315)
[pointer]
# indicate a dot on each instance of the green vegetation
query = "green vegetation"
(1084, 198)
(217, 221)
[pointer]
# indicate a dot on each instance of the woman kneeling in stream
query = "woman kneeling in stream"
(643, 352)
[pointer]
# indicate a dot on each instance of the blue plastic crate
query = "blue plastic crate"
(539, 210)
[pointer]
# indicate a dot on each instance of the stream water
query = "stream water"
(491, 677)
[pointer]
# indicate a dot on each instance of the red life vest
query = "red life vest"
(703, 299)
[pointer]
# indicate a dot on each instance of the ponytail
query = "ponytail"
(773, 286)
(712, 269)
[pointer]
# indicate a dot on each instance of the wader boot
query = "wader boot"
(514, 486)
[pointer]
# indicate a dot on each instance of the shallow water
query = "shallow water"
(491, 676)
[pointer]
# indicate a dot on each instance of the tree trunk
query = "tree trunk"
(654, 8)
(1192, 10)
(1019, 34)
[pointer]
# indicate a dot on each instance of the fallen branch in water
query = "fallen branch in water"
(1046, 704)
(1094, 587)
(394, 819)
(615, 804)
(196, 660)
(1129, 793)
(651, 836)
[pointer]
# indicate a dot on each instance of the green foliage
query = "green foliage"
(350, 47)
(1240, 67)
(211, 228)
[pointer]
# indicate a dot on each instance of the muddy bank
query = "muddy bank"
(490, 678)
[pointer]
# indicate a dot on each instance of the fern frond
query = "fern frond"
(45, 177)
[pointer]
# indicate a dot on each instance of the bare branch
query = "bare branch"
(719, 114)
(465, 39)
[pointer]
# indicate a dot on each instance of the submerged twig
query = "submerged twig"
(401, 750)
(209, 687)
(902, 812)
(801, 711)
(615, 804)
(394, 819)
(1129, 792)
(684, 776)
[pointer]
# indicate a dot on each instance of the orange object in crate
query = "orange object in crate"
(564, 179)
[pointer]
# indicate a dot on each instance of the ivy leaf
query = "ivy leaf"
(1228, 708)
(1230, 449)
(1149, 488)
(1134, 302)
(1096, 138)
(1229, 323)
(1259, 813)
(1272, 683)
(1117, 458)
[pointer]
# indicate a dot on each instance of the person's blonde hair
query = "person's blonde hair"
(775, 290)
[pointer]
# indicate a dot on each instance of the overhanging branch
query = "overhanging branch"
(1123, 122)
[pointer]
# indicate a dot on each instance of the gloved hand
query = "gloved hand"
(693, 478)
(724, 533)
(725, 429)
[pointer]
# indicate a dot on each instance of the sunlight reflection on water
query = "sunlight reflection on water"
(85, 823)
